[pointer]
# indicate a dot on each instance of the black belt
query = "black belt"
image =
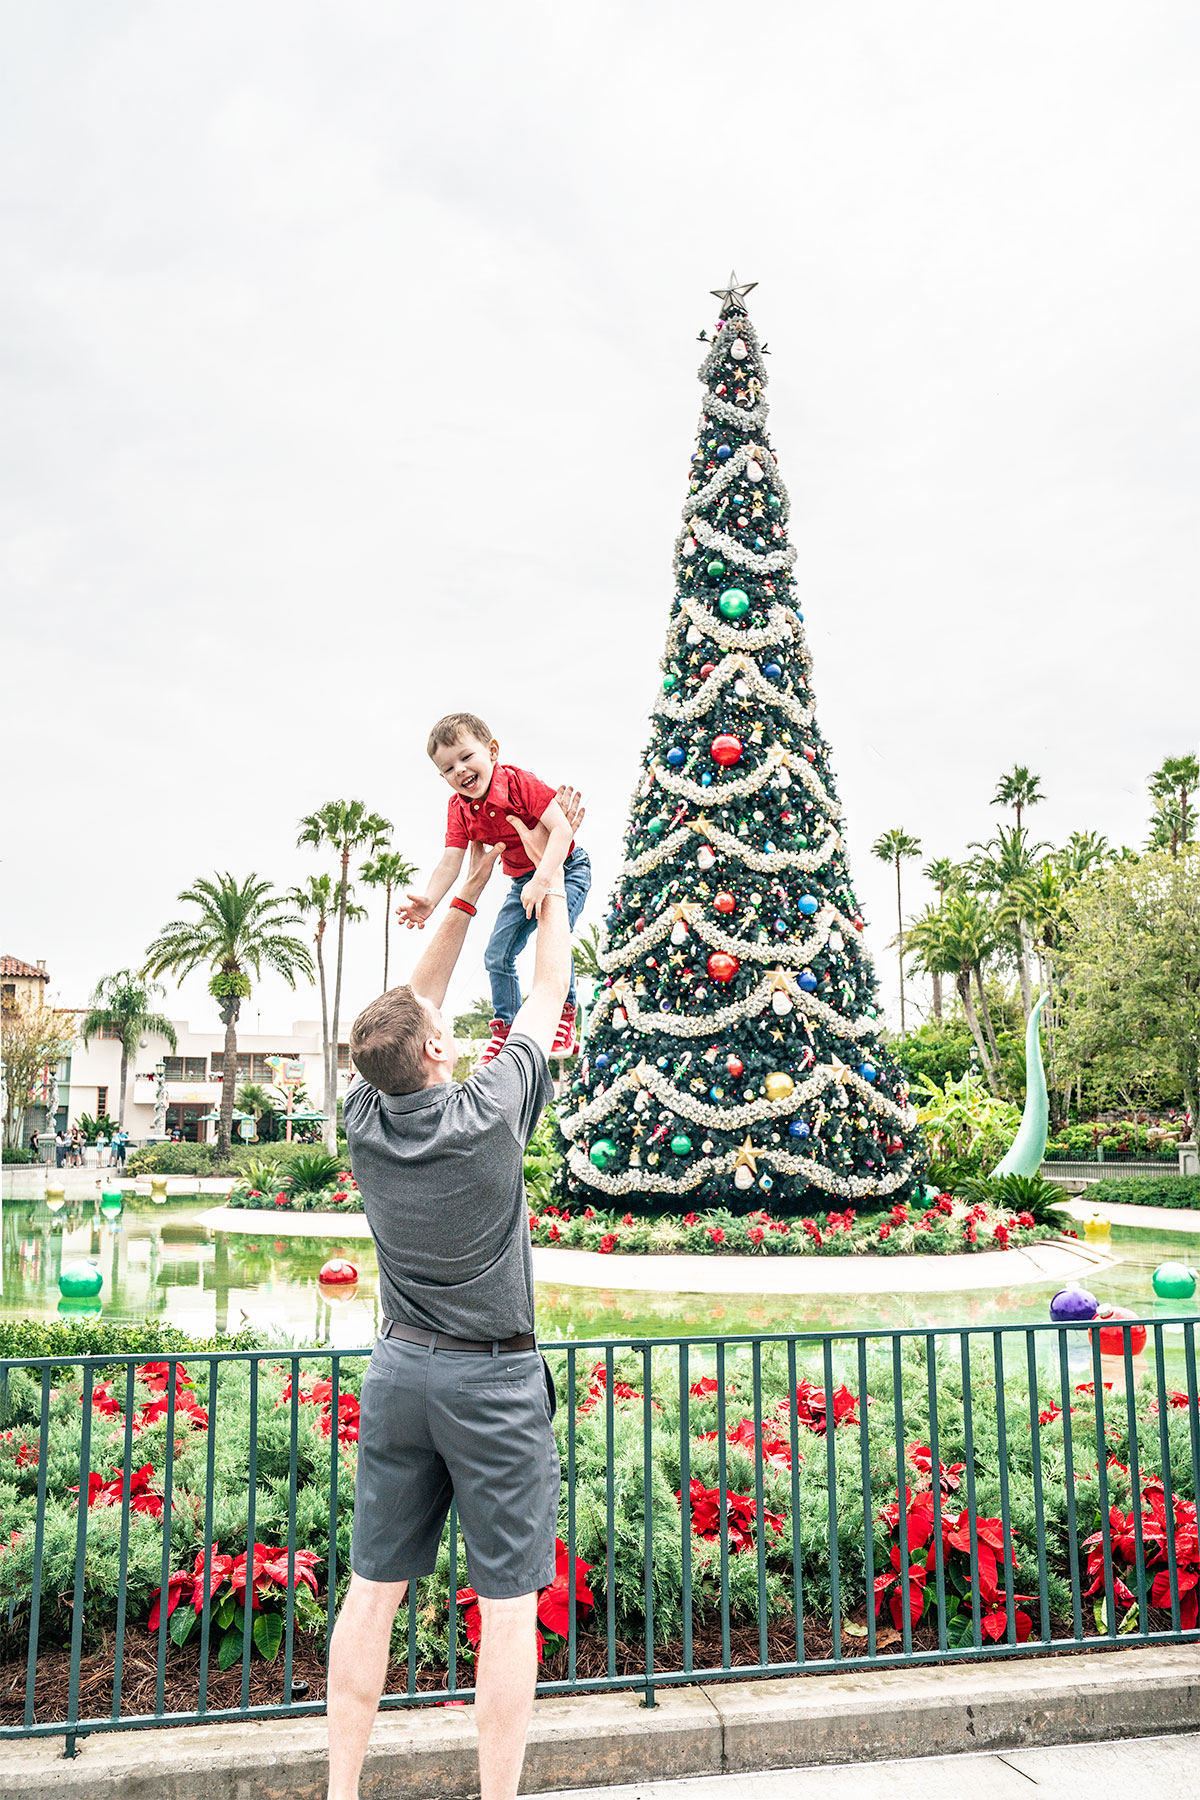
(416, 1334)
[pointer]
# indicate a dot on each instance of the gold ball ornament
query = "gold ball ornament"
(778, 1085)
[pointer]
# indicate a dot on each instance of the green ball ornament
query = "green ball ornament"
(80, 1281)
(1173, 1281)
(669, 682)
(603, 1153)
(733, 604)
(681, 1144)
(716, 569)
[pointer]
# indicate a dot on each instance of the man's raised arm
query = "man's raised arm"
(431, 977)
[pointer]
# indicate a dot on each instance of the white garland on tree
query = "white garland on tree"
(760, 562)
(715, 1024)
(731, 1118)
(846, 1187)
(730, 470)
(687, 912)
(731, 668)
(762, 862)
(712, 406)
(777, 630)
(742, 786)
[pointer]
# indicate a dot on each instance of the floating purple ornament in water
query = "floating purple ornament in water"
(1073, 1306)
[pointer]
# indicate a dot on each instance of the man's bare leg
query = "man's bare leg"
(506, 1675)
(358, 1659)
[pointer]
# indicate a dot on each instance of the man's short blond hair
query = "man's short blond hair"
(387, 1041)
(447, 731)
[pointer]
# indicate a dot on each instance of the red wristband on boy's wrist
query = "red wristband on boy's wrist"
(463, 906)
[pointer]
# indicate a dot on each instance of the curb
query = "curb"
(600, 1740)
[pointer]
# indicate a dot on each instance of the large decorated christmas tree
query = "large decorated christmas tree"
(733, 1049)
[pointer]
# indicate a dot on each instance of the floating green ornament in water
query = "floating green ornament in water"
(80, 1281)
(1174, 1281)
(734, 604)
(112, 1205)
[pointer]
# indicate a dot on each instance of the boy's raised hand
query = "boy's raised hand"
(414, 909)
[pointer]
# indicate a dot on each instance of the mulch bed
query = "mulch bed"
(139, 1673)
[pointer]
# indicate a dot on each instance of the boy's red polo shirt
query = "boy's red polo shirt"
(484, 821)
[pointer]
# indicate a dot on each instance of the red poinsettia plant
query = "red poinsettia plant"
(269, 1581)
(1156, 1555)
(967, 1575)
(554, 1602)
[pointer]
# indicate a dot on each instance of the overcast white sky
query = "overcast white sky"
(349, 366)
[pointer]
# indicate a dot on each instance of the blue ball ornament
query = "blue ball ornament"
(1073, 1306)
(798, 1129)
(867, 1071)
(664, 1062)
(723, 453)
(706, 778)
(772, 671)
(807, 981)
(808, 904)
(603, 1060)
(676, 756)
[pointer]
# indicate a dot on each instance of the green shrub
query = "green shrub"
(935, 1050)
(19, 1154)
(1020, 1193)
(174, 1159)
(1175, 1191)
(313, 1170)
(96, 1337)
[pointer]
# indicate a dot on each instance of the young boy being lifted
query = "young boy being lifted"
(492, 803)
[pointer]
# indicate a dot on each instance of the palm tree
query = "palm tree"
(386, 869)
(891, 847)
(586, 952)
(944, 874)
(1082, 852)
(255, 1100)
(315, 898)
(121, 1004)
(344, 826)
(1172, 785)
(238, 926)
(1018, 789)
(960, 938)
(1004, 867)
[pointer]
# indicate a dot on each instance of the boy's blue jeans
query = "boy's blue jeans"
(512, 932)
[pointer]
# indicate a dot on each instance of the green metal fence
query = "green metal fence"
(744, 1506)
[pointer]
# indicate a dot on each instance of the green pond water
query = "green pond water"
(158, 1262)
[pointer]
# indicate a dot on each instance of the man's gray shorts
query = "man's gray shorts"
(438, 1425)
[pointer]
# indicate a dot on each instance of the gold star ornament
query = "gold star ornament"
(733, 295)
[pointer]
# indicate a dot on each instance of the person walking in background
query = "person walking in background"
(60, 1149)
(117, 1148)
(101, 1148)
(33, 1146)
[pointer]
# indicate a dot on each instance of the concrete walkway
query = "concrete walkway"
(1148, 1218)
(1163, 1768)
(1058, 1261)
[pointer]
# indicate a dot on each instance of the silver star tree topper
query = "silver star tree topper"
(733, 297)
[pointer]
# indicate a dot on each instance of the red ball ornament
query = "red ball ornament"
(640, 923)
(706, 670)
(735, 1066)
(725, 903)
(1112, 1340)
(810, 754)
(337, 1271)
(722, 967)
(726, 750)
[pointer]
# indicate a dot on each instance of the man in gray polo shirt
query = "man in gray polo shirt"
(457, 1403)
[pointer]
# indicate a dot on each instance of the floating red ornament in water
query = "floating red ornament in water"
(337, 1271)
(1112, 1337)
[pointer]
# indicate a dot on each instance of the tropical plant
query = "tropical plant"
(386, 869)
(123, 1003)
(1018, 789)
(91, 1129)
(476, 1021)
(1172, 785)
(1082, 852)
(316, 898)
(586, 951)
(944, 875)
(963, 1125)
(1019, 1193)
(311, 1170)
(269, 1174)
(237, 927)
(891, 847)
(36, 1038)
(958, 938)
(344, 826)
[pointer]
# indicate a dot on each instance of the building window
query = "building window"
(112, 1032)
(245, 1065)
(101, 1102)
(186, 1068)
(343, 1061)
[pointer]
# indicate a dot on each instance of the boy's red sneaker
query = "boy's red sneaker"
(566, 1041)
(500, 1029)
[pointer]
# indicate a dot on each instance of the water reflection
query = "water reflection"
(160, 1263)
